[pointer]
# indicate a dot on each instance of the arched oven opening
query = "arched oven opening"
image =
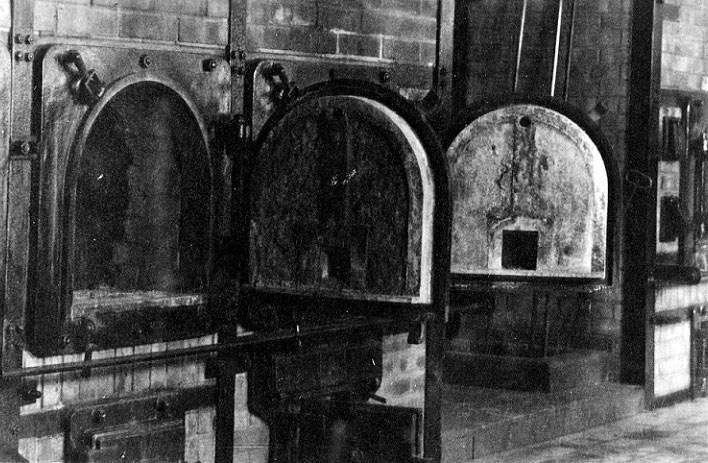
(141, 203)
(535, 192)
(342, 207)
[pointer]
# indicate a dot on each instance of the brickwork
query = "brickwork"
(684, 61)
(65, 389)
(198, 22)
(598, 64)
(672, 360)
(390, 30)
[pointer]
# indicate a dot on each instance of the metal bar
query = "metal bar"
(640, 226)
(546, 325)
(534, 315)
(251, 341)
(238, 54)
(559, 25)
(443, 75)
(695, 323)
(569, 55)
(522, 29)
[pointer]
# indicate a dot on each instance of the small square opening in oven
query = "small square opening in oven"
(519, 249)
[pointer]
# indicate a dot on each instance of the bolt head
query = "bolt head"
(29, 57)
(29, 40)
(19, 56)
(145, 61)
(26, 148)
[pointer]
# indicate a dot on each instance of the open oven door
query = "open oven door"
(347, 232)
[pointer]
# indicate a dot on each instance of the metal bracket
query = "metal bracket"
(23, 150)
(88, 87)
(282, 90)
(15, 337)
(29, 392)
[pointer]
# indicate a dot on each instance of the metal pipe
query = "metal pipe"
(559, 25)
(522, 28)
(569, 55)
(244, 342)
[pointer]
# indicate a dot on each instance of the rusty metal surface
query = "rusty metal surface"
(23, 53)
(5, 73)
(528, 168)
(306, 72)
(313, 203)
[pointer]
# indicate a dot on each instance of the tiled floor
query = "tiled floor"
(677, 434)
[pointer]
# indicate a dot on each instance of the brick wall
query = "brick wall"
(684, 59)
(188, 22)
(600, 64)
(388, 30)
(489, 30)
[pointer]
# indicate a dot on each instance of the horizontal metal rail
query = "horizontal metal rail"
(239, 343)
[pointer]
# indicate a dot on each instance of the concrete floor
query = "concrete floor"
(676, 434)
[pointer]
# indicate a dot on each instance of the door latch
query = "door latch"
(88, 87)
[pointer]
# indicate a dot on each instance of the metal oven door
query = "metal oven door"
(126, 179)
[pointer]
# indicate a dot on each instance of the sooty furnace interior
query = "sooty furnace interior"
(142, 202)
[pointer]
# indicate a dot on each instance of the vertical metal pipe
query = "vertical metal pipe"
(522, 28)
(569, 54)
(559, 25)
(686, 186)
